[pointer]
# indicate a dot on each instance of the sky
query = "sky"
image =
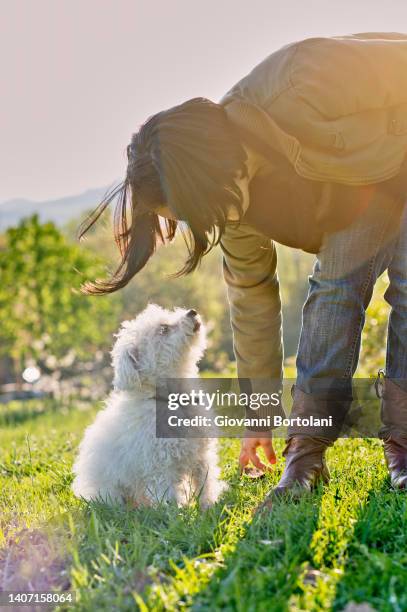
(79, 76)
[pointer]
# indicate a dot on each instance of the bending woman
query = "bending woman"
(307, 150)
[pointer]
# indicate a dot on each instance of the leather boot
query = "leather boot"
(395, 452)
(394, 430)
(305, 467)
(305, 450)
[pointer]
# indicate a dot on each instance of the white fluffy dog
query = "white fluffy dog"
(120, 459)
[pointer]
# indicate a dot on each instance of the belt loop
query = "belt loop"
(379, 383)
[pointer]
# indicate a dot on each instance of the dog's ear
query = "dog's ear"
(126, 369)
(135, 357)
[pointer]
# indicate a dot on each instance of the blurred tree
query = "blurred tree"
(294, 267)
(373, 354)
(43, 317)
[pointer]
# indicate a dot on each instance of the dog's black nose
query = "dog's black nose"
(192, 313)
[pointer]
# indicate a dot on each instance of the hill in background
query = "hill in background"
(60, 210)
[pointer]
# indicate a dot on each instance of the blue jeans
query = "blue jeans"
(340, 290)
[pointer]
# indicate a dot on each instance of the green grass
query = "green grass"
(347, 542)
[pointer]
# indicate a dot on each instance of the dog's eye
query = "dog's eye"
(164, 329)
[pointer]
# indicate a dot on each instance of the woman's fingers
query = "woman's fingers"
(248, 454)
(243, 460)
(255, 459)
(269, 451)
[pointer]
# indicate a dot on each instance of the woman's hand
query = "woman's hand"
(248, 453)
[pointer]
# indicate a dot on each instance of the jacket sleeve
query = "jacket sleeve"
(249, 267)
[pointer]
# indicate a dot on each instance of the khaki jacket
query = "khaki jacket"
(336, 109)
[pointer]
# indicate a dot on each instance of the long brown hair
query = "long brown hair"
(186, 158)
